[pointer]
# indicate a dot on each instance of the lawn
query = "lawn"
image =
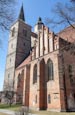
(13, 107)
(52, 113)
(17, 107)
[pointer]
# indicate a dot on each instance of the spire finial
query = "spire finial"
(40, 20)
(21, 15)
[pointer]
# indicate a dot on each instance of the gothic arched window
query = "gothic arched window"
(35, 74)
(50, 70)
(22, 73)
(19, 79)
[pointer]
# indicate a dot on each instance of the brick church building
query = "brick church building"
(40, 66)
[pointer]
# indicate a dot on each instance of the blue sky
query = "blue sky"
(33, 9)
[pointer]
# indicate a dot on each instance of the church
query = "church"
(40, 66)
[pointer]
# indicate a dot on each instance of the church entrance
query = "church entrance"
(43, 87)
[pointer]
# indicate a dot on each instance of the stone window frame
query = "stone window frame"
(25, 32)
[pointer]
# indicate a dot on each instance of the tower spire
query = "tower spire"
(21, 15)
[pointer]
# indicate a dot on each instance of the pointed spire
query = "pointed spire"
(21, 15)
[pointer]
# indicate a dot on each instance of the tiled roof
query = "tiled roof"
(25, 62)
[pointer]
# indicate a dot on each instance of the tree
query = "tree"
(64, 14)
(6, 11)
(6, 17)
(8, 93)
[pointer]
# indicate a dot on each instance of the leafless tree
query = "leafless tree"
(6, 15)
(8, 93)
(64, 14)
(6, 11)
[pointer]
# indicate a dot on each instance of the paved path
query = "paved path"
(9, 112)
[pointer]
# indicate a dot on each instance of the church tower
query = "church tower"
(18, 48)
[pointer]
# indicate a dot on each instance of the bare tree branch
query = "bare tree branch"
(64, 15)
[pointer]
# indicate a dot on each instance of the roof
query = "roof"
(34, 35)
(21, 15)
(25, 62)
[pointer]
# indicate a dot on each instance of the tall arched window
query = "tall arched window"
(50, 70)
(35, 74)
(22, 73)
(18, 80)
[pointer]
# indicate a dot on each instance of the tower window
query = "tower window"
(13, 31)
(70, 69)
(25, 32)
(8, 76)
(10, 59)
(11, 45)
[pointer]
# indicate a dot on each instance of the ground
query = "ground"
(2, 114)
(17, 107)
(53, 113)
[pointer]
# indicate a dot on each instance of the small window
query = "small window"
(25, 32)
(70, 69)
(35, 74)
(13, 31)
(71, 79)
(8, 75)
(36, 99)
(10, 59)
(49, 98)
(11, 45)
(56, 46)
(24, 44)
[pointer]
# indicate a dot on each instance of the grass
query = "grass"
(52, 113)
(13, 107)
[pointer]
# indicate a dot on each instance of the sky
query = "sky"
(33, 9)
